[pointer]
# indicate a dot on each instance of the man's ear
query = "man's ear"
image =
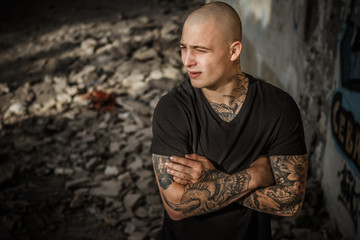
(235, 50)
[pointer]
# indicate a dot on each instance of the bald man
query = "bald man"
(228, 149)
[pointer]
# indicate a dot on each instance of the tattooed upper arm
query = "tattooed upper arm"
(286, 197)
(164, 179)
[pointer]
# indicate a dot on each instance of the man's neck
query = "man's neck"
(228, 99)
(233, 87)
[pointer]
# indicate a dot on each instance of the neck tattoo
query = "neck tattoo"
(228, 112)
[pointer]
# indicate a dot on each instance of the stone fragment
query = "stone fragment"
(125, 179)
(126, 215)
(63, 171)
(7, 170)
(109, 188)
(132, 146)
(141, 212)
(144, 54)
(155, 74)
(156, 210)
(117, 160)
(130, 200)
(135, 163)
(78, 183)
(129, 228)
(111, 171)
(137, 236)
(4, 88)
(114, 147)
(92, 163)
(88, 46)
(16, 109)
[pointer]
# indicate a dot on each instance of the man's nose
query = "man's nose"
(188, 59)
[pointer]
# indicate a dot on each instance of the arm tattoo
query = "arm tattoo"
(209, 196)
(165, 180)
(286, 197)
(211, 174)
(228, 112)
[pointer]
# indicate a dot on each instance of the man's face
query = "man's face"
(205, 55)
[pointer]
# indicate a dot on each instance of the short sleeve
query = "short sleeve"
(289, 138)
(171, 132)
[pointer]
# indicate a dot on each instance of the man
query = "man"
(228, 149)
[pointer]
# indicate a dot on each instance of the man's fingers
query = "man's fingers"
(176, 165)
(178, 174)
(180, 160)
(181, 181)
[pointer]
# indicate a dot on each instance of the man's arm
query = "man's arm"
(181, 201)
(285, 198)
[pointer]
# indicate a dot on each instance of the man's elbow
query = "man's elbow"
(175, 216)
(293, 207)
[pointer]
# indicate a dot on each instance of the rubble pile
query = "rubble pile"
(75, 131)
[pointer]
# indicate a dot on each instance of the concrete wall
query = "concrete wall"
(311, 49)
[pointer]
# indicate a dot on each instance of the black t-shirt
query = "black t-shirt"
(269, 122)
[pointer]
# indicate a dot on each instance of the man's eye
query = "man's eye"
(201, 50)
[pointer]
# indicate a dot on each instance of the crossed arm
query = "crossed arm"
(209, 194)
(190, 190)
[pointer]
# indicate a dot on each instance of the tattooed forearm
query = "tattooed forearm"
(286, 197)
(205, 197)
(165, 180)
(211, 174)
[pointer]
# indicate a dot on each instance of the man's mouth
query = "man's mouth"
(194, 74)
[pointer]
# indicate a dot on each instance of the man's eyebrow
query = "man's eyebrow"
(195, 46)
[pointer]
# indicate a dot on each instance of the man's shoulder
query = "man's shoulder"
(180, 94)
(270, 93)
(178, 99)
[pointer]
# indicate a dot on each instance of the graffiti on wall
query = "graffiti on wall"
(348, 195)
(346, 130)
(345, 113)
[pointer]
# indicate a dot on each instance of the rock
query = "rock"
(92, 163)
(141, 212)
(125, 215)
(132, 146)
(144, 54)
(88, 46)
(7, 169)
(173, 73)
(109, 188)
(117, 160)
(130, 200)
(137, 236)
(16, 109)
(78, 183)
(125, 179)
(139, 223)
(169, 31)
(4, 89)
(156, 211)
(24, 145)
(114, 147)
(111, 171)
(129, 228)
(63, 171)
(134, 163)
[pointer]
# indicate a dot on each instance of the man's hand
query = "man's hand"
(189, 169)
(264, 175)
(193, 167)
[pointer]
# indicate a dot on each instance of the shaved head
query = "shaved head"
(224, 18)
